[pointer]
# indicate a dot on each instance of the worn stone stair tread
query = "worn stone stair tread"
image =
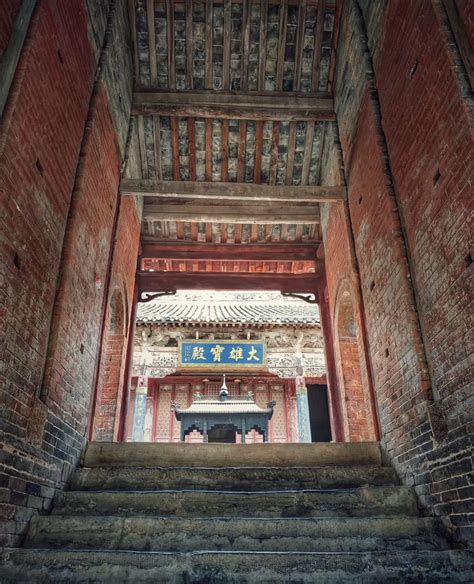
(235, 479)
(365, 501)
(231, 455)
(250, 534)
(61, 566)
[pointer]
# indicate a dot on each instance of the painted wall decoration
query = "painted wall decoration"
(222, 354)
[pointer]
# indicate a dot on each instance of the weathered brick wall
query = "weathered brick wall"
(40, 142)
(354, 379)
(407, 150)
(7, 18)
(110, 388)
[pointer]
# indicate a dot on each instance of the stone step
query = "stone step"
(363, 502)
(71, 566)
(232, 479)
(236, 534)
(149, 454)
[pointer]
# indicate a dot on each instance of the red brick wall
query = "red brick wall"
(40, 141)
(411, 236)
(7, 18)
(110, 390)
(352, 368)
(430, 143)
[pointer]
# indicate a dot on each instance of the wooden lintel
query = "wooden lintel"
(160, 281)
(218, 191)
(205, 211)
(272, 252)
(235, 106)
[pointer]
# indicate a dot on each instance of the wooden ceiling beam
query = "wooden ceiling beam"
(272, 252)
(203, 211)
(234, 106)
(161, 281)
(236, 192)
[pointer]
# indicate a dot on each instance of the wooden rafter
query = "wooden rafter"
(227, 44)
(275, 252)
(245, 45)
(150, 16)
(299, 44)
(281, 43)
(208, 48)
(207, 211)
(189, 44)
(232, 191)
(170, 32)
(236, 106)
(262, 44)
(318, 39)
(156, 281)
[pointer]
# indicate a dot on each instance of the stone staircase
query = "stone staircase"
(263, 513)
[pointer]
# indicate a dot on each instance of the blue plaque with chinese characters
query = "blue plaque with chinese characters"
(221, 354)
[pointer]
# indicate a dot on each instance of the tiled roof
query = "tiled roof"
(221, 407)
(252, 309)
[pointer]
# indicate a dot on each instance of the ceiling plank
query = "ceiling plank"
(290, 161)
(174, 124)
(242, 148)
(275, 252)
(142, 147)
(208, 153)
(299, 44)
(158, 282)
(318, 39)
(258, 152)
(226, 48)
(235, 191)
(189, 44)
(209, 212)
(208, 48)
(150, 16)
(225, 151)
(308, 151)
(262, 44)
(281, 44)
(244, 82)
(192, 148)
(170, 31)
(235, 106)
(272, 174)
(157, 146)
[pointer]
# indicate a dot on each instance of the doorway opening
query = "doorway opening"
(319, 412)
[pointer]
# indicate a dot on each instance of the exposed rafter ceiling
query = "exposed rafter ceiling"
(236, 93)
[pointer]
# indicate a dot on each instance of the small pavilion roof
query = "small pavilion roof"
(208, 308)
(219, 407)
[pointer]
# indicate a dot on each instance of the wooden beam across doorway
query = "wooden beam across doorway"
(171, 281)
(208, 212)
(234, 106)
(169, 189)
(265, 252)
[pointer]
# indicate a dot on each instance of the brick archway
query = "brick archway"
(348, 365)
(111, 374)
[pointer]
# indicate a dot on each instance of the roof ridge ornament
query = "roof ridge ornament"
(224, 392)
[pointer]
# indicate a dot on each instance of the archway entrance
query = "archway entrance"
(357, 418)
